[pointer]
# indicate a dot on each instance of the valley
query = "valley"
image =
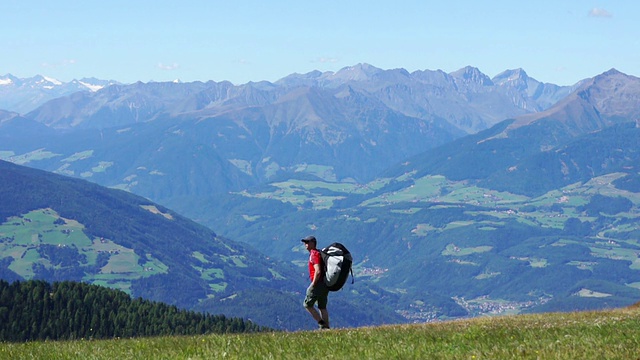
(486, 211)
(460, 195)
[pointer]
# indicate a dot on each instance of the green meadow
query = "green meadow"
(609, 334)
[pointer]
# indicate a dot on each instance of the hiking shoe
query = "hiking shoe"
(323, 325)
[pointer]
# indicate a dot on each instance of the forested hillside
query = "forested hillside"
(37, 310)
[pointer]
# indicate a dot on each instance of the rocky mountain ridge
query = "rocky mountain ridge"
(461, 97)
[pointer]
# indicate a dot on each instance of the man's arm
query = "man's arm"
(317, 276)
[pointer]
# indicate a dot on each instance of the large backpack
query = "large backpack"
(337, 262)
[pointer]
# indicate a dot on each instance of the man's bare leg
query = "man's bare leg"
(312, 310)
(325, 316)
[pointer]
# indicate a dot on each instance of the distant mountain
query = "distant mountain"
(466, 98)
(57, 228)
(351, 124)
(537, 95)
(25, 94)
(7, 115)
(582, 129)
(22, 129)
(254, 132)
(604, 100)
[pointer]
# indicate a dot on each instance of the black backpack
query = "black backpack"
(337, 262)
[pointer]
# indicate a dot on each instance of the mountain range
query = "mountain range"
(459, 194)
(25, 94)
(466, 98)
(331, 121)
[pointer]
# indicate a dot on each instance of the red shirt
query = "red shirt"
(314, 258)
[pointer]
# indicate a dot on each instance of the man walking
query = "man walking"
(317, 290)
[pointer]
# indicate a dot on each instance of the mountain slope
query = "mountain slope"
(152, 232)
(59, 228)
(512, 151)
(615, 149)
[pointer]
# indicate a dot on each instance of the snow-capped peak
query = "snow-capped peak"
(91, 87)
(52, 80)
(6, 81)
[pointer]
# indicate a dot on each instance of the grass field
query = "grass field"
(611, 334)
(22, 159)
(452, 250)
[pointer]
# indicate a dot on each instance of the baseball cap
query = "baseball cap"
(308, 239)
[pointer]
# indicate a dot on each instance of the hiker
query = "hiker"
(317, 290)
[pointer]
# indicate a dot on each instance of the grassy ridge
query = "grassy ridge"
(611, 334)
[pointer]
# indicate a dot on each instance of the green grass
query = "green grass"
(24, 264)
(5, 155)
(79, 156)
(35, 155)
(422, 229)
(452, 250)
(613, 250)
(102, 166)
(122, 262)
(298, 192)
(540, 263)
(321, 171)
(211, 274)
(612, 334)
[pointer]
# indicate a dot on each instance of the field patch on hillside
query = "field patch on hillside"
(35, 155)
(42, 240)
(453, 250)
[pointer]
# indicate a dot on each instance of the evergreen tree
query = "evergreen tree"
(36, 310)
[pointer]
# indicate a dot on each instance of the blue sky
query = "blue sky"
(557, 41)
